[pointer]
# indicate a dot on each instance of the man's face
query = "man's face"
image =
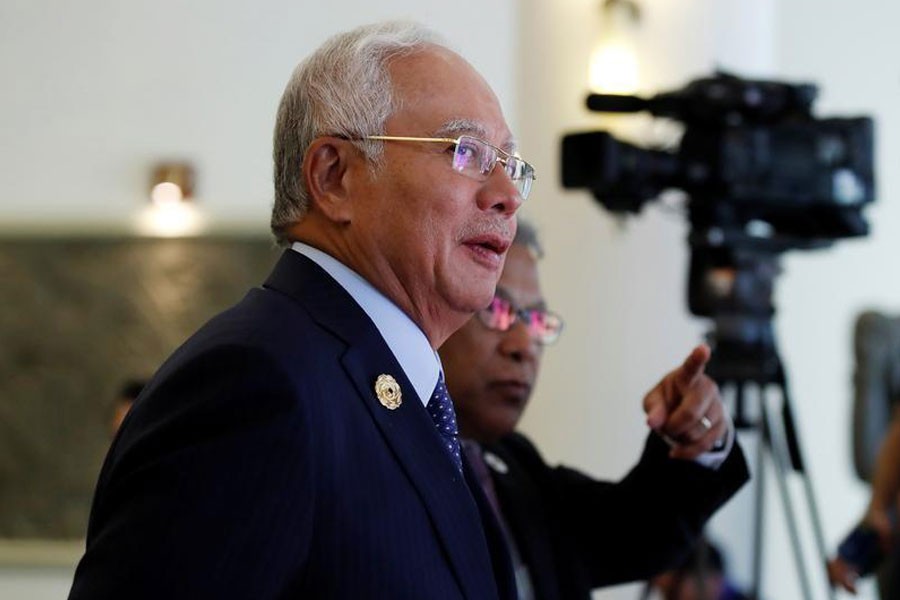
(490, 374)
(431, 238)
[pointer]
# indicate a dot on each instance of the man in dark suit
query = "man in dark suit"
(301, 444)
(567, 532)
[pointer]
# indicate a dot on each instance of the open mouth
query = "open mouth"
(493, 244)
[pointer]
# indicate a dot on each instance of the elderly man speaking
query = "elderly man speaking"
(302, 443)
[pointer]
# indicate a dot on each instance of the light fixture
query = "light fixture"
(613, 67)
(172, 183)
(172, 211)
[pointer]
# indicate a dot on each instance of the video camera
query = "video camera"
(762, 176)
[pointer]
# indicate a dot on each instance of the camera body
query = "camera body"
(762, 175)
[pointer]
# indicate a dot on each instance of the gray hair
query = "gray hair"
(527, 235)
(342, 89)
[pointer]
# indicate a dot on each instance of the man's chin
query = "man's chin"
(504, 424)
(475, 290)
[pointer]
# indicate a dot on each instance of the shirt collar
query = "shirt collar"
(405, 339)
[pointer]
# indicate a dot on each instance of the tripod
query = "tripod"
(746, 355)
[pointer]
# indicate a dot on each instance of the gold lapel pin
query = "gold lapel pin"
(388, 391)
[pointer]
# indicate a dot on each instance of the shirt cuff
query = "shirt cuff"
(714, 458)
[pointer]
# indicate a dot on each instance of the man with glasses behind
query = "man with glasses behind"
(569, 533)
(302, 444)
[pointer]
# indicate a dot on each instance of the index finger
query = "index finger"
(693, 366)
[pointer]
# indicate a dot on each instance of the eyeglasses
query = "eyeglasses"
(476, 159)
(500, 315)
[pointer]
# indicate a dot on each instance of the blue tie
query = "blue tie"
(441, 410)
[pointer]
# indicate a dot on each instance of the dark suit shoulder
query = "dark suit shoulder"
(519, 445)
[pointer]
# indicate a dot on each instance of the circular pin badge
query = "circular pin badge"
(388, 392)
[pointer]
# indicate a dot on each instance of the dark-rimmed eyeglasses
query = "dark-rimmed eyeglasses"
(475, 158)
(543, 325)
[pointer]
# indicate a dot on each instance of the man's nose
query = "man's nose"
(499, 193)
(519, 344)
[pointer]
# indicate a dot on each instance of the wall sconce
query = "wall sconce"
(172, 211)
(172, 183)
(613, 67)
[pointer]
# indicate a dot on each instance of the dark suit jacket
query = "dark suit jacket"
(576, 533)
(259, 463)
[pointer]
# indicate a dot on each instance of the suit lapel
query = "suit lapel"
(408, 430)
(416, 444)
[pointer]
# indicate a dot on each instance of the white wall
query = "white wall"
(38, 583)
(96, 92)
(851, 51)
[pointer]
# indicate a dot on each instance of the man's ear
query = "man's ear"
(325, 170)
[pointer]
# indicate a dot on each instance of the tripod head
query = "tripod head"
(744, 351)
(731, 282)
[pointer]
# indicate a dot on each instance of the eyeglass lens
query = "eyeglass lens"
(542, 324)
(476, 159)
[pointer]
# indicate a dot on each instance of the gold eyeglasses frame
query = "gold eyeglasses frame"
(502, 156)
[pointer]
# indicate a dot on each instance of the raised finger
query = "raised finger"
(693, 366)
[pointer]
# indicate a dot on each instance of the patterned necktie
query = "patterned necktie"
(441, 410)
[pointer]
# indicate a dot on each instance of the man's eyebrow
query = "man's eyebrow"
(457, 127)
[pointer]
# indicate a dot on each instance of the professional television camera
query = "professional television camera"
(762, 176)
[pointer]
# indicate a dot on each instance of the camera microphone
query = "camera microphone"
(616, 103)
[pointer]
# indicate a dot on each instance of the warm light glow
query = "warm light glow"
(171, 219)
(613, 68)
(171, 212)
(166, 193)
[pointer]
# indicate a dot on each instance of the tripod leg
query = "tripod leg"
(779, 461)
(758, 500)
(797, 461)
